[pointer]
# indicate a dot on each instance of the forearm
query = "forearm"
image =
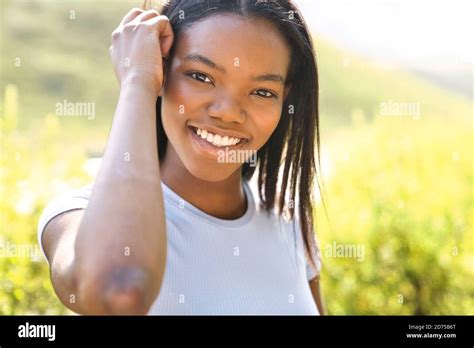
(121, 243)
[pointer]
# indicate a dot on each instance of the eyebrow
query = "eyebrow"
(206, 61)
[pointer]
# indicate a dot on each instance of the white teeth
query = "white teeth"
(217, 139)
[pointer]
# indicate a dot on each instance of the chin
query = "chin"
(213, 173)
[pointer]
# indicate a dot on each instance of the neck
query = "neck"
(223, 199)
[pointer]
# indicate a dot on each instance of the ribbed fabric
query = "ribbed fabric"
(253, 265)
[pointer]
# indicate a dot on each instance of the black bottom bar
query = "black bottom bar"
(328, 330)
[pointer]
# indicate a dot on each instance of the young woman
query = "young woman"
(170, 225)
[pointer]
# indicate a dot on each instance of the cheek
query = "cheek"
(177, 101)
(266, 123)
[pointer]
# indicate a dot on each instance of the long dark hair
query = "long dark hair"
(293, 141)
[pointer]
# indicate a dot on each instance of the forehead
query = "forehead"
(255, 43)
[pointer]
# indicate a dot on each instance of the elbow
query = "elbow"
(124, 290)
(127, 292)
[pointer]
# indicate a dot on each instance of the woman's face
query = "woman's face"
(227, 79)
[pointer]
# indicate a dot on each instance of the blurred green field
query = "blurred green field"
(398, 186)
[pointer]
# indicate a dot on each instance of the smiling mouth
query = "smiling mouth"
(218, 140)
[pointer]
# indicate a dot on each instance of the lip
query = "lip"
(209, 150)
(219, 131)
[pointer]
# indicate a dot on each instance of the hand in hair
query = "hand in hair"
(139, 44)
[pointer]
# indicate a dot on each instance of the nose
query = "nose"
(227, 108)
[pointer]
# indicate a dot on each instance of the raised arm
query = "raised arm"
(111, 257)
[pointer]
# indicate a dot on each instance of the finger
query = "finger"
(165, 33)
(144, 16)
(131, 15)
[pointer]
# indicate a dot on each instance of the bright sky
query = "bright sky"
(410, 32)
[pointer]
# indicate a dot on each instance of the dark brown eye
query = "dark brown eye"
(199, 77)
(264, 93)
